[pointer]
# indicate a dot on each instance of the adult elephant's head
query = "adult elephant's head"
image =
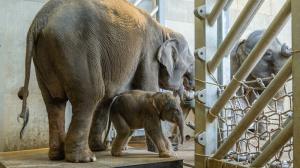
(274, 58)
(176, 62)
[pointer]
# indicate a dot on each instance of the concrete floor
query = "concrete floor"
(185, 151)
(135, 156)
(132, 158)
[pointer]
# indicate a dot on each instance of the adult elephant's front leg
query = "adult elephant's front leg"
(100, 119)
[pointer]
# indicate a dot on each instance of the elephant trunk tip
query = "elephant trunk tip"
(181, 132)
(181, 140)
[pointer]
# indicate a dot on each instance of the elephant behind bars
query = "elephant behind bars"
(272, 61)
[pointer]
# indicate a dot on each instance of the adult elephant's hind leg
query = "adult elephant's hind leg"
(98, 128)
(56, 118)
(76, 144)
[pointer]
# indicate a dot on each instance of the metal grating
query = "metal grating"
(271, 120)
(252, 128)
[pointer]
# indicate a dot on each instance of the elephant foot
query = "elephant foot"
(150, 145)
(166, 154)
(82, 156)
(116, 153)
(97, 146)
(125, 148)
(55, 154)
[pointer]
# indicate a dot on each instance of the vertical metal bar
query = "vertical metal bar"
(235, 32)
(216, 12)
(137, 2)
(154, 11)
(160, 16)
(257, 107)
(219, 41)
(200, 117)
(223, 69)
(252, 59)
(205, 36)
(228, 4)
(269, 152)
(296, 79)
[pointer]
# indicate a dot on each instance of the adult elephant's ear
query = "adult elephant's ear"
(168, 55)
(285, 50)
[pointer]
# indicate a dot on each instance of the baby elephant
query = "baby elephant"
(140, 109)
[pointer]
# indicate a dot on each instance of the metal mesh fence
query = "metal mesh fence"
(271, 120)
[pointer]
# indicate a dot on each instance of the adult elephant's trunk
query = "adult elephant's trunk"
(180, 124)
(189, 78)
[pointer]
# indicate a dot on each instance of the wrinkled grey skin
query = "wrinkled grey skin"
(274, 58)
(140, 109)
(270, 64)
(87, 51)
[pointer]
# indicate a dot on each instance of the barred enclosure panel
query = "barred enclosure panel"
(253, 121)
(271, 120)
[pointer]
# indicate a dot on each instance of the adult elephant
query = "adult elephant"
(87, 51)
(272, 61)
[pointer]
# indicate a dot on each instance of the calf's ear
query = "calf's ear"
(285, 50)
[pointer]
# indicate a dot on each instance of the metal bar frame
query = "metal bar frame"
(158, 10)
(216, 12)
(236, 31)
(160, 16)
(137, 2)
(278, 142)
(228, 4)
(252, 59)
(296, 79)
(205, 120)
(154, 11)
(287, 121)
(257, 107)
(206, 130)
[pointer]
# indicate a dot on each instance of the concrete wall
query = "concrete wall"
(179, 16)
(16, 16)
(15, 19)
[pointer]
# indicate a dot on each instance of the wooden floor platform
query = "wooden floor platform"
(133, 158)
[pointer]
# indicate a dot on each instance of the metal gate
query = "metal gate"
(213, 98)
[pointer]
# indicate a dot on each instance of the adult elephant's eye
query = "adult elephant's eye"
(268, 55)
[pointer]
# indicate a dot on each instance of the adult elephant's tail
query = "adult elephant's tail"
(23, 92)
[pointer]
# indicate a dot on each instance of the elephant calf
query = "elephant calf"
(140, 109)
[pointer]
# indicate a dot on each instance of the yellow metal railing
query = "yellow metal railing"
(207, 153)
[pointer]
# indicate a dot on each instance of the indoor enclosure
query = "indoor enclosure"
(242, 110)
